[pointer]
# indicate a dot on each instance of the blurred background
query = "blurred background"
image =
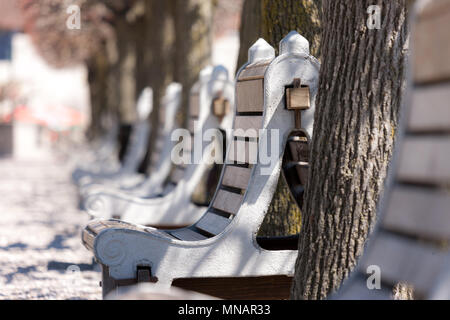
(68, 69)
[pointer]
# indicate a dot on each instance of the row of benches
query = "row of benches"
(215, 250)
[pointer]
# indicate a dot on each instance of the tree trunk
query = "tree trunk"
(125, 71)
(251, 28)
(273, 20)
(97, 81)
(280, 17)
(193, 50)
(360, 89)
(193, 43)
(159, 47)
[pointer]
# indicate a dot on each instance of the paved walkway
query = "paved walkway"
(41, 255)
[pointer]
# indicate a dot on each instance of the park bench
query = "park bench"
(410, 242)
(135, 150)
(174, 207)
(220, 254)
(138, 184)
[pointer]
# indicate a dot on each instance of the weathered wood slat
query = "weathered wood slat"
(431, 45)
(297, 98)
(239, 288)
(247, 126)
(194, 105)
(419, 211)
(227, 201)
(213, 223)
(254, 71)
(237, 177)
(250, 97)
(243, 151)
(404, 260)
(88, 238)
(187, 235)
(425, 160)
(430, 109)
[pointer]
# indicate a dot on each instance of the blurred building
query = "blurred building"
(37, 102)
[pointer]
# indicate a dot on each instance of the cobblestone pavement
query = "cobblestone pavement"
(41, 255)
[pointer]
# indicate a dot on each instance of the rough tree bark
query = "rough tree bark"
(361, 83)
(250, 30)
(272, 20)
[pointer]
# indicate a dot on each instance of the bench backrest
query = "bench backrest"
(260, 105)
(410, 243)
(213, 84)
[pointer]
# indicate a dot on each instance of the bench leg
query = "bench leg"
(108, 283)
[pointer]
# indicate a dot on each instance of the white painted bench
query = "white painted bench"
(138, 184)
(174, 207)
(100, 151)
(135, 150)
(410, 242)
(220, 254)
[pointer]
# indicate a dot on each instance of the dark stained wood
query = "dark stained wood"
(240, 288)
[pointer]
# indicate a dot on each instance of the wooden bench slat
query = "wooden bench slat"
(431, 45)
(187, 234)
(419, 211)
(404, 260)
(227, 201)
(429, 109)
(194, 105)
(250, 96)
(250, 123)
(237, 177)
(425, 160)
(213, 223)
(254, 71)
(240, 151)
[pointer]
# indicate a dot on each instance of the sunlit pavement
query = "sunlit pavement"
(41, 255)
